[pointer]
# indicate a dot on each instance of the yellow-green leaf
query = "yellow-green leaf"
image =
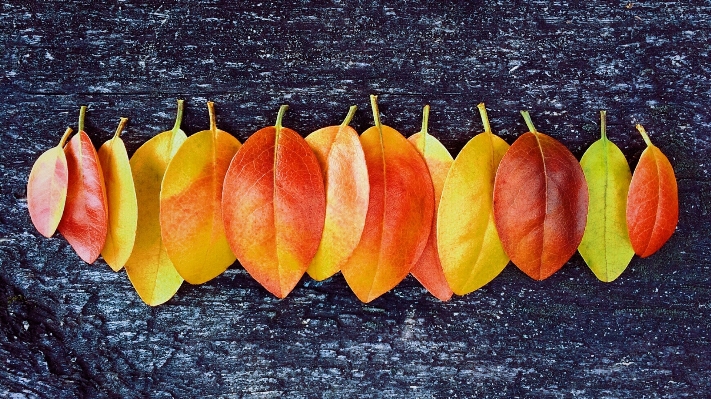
(606, 246)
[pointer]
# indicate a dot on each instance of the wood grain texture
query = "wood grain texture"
(68, 329)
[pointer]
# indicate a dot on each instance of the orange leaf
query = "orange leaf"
(345, 177)
(428, 269)
(652, 201)
(399, 216)
(540, 203)
(274, 207)
(190, 204)
(84, 222)
(47, 188)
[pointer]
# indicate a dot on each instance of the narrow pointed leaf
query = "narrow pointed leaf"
(470, 249)
(653, 201)
(399, 217)
(345, 177)
(47, 188)
(606, 246)
(190, 204)
(540, 203)
(149, 268)
(428, 269)
(84, 221)
(121, 201)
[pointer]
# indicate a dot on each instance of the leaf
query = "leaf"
(470, 249)
(47, 188)
(606, 246)
(540, 203)
(400, 212)
(345, 176)
(190, 204)
(274, 206)
(121, 200)
(84, 221)
(653, 201)
(428, 269)
(149, 268)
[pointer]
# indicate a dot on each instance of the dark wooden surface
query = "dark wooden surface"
(68, 329)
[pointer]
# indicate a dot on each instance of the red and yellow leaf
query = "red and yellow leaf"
(274, 206)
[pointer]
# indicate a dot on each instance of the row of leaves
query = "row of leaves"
(375, 207)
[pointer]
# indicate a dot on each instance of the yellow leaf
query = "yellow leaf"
(121, 200)
(470, 250)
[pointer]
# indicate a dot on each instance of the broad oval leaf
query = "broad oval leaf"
(606, 246)
(428, 268)
(540, 203)
(653, 201)
(345, 176)
(470, 249)
(190, 204)
(84, 221)
(47, 188)
(400, 212)
(274, 205)
(149, 268)
(121, 200)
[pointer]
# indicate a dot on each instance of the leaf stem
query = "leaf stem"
(349, 117)
(376, 112)
(643, 132)
(65, 137)
(179, 116)
(121, 125)
(603, 124)
(425, 125)
(484, 117)
(82, 115)
(280, 117)
(529, 122)
(213, 118)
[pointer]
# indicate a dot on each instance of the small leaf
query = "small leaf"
(149, 268)
(428, 269)
(653, 201)
(84, 222)
(606, 246)
(121, 200)
(540, 203)
(469, 246)
(400, 212)
(345, 177)
(274, 207)
(190, 204)
(47, 188)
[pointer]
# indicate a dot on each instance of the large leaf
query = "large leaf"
(121, 200)
(274, 205)
(540, 203)
(149, 268)
(47, 188)
(428, 269)
(191, 204)
(84, 221)
(606, 245)
(400, 212)
(653, 201)
(469, 246)
(345, 177)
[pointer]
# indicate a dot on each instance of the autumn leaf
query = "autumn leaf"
(606, 246)
(469, 246)
(84, 221)
(400, 211)
(652, 201)
(47, 188)
(540, 203)
(274, 206)
(190, 204)
(345, 177)
(149, 268)
(121, 200)
(428, 269)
